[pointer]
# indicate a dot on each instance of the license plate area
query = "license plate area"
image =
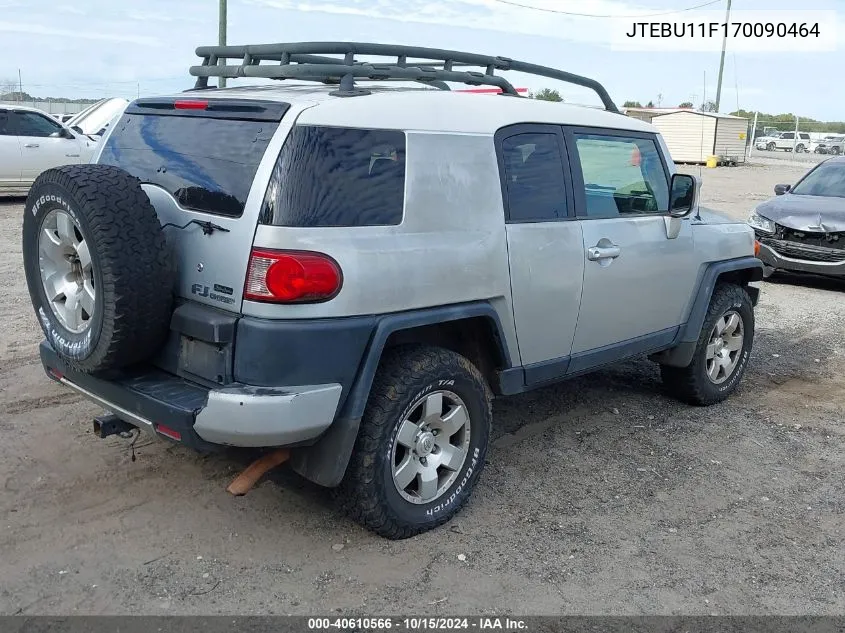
(200, 346)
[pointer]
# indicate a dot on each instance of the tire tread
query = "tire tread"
(134, 264)
(685, 383)
(402, 370)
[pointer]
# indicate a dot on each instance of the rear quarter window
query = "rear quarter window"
(333, 176)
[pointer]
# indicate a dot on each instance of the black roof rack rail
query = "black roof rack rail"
(310, 61)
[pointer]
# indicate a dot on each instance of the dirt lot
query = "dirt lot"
(600, 496)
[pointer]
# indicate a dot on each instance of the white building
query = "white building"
(693, 136)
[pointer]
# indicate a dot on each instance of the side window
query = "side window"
(804, 136)
(622, 175)
(334, 176)
(788, 135)
(533, 167)
(5, 128)
(32, 124)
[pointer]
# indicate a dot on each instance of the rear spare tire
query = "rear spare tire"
(97, 266)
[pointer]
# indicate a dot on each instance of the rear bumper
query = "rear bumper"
(204, 418)
(773, 259)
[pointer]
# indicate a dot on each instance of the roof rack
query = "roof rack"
(310, 61)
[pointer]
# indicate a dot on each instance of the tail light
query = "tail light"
(291, 277)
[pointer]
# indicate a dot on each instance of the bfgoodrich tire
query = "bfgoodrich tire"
(721, 353)
(97, 266)
(422, 442)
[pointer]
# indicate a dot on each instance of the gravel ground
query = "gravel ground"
(601, 495)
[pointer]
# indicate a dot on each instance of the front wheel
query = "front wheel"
(771, 147)
(799, 149)
(422, 442)
(721, 354)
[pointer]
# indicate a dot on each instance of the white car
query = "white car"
(31, 142)
(785, 141)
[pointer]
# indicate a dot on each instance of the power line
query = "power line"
(597, 15)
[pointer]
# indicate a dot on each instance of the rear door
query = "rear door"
(786, 140)
(200, 161)
(10, 154)
(637, 280)
(42, 146)
(545, 247)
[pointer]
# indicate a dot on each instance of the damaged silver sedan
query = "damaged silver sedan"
(802, 229)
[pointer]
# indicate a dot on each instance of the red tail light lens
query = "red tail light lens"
(291, 277)
(190, 104)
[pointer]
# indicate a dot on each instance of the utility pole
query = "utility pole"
(722, 60)
(753, 133)
(221, 36)
(20, 86)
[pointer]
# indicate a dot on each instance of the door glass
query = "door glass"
(533, 167)
(5, 128)
(622, 175)
(32, 124)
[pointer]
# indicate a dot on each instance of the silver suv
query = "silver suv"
(354, 270)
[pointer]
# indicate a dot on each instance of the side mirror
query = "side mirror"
(683, 195)
(782, 189)
(66, 133)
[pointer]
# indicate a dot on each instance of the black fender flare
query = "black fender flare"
(325, 461)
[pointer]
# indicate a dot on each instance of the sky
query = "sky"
(97, 48)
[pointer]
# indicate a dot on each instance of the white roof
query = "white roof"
(424, 109)
(20, 108)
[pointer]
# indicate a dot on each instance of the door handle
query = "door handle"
(31, 145)
(597, 253)
(72, 155)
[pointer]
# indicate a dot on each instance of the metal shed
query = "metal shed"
(692, 136)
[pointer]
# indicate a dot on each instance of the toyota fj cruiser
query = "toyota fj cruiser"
(354, 270)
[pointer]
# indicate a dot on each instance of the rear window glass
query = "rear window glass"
(206, 164)
(331, 176)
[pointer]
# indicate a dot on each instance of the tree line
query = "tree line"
(783, 122)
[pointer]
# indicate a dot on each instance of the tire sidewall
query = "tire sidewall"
(44, 199)
(738, 302)
(458, 493)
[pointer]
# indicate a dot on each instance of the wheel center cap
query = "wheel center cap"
(720, 344)
(425, 444)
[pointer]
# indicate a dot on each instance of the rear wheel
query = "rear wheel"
(422, 442)
(721, 354)
(799, 148)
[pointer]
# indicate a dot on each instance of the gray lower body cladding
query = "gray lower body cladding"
(281, 385)
(200, 417)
